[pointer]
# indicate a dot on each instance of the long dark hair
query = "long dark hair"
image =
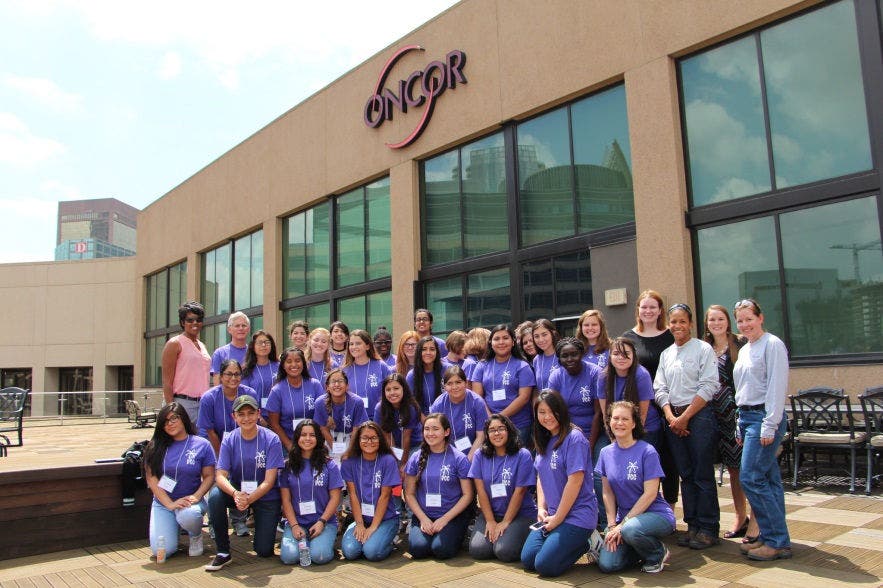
(424, 446)
(160, 442)
(420, 369)
(516, 350)
(388, 420)
(541, 435)
(251, 358)
(305, 372)
(355, 448)
(318, 458)
(513, 443)
(630, 390)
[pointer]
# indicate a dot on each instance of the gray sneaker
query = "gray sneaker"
(196, 546)
(655, 568)
(241, 528)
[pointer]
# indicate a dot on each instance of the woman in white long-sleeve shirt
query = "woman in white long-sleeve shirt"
(761, 379)
(685, 382)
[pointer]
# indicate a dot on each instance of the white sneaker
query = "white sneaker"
(196, 548)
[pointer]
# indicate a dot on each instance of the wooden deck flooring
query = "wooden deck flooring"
(837, 540)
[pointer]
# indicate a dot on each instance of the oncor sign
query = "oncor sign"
(421, 87)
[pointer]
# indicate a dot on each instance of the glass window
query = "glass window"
(248, 289)
(153, 363)
(441, 201)
(306, 255)
(834, 278)
(165, 291)
(557, 287)
(177, 291)
(378, 255)
(157, 300)
(366, 312)
(363, 234)
(444, 299)
(316, 315)
(488, 300)
(217, 276)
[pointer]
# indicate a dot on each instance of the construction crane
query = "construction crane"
(855, 248)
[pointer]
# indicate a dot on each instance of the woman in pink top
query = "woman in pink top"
(186, 361)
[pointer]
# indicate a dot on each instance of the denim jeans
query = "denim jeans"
(762, 480)
(553, 553)
(266, 517)
(694, 456)
(602, 442)
(669, 484)
(508, 547)
(321, 547)
(525, 435)
(165, 523)
(641, 541)
(377, 547)
(443, 545)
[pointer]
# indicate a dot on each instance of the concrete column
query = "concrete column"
(404, 205)
(273, 275)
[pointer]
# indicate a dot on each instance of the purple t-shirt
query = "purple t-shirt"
(292, 402)
(390, 360)
(645, 392)
(225, 352)
(337, 358)
(317, 370)
(553, 468)
(544, 366)
(513, 471)
(350, 413)
(261, 380)
(599, 359)
(184, 461)
(412, 423)
(305, 486)
(469, 364)
(626, 471)
(216, 412)
(505, 378)
(250, 459)
(369, 477)
(579, 392)
(441, 475)
(366, 380)
(429, 391)
(446, 363)
(467, 417)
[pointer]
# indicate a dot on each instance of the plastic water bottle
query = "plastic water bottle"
(304, 548)
(161, 550)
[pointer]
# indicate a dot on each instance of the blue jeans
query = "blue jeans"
(553, 553)
(443, 545)
(321, 547)
(508, 547)
(641, 541)
(165, 523)
(377, 547)
(762, 480)
(525, 435)
(602, 442)
(694, 456)
(266, 517)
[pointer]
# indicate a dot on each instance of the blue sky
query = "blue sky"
(109, 98)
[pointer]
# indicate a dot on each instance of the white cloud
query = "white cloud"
(60, 191)
(29, 207)
(170, 66)
(18, 146)
(44, 92)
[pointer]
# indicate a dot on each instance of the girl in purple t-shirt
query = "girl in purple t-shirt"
(503, 474)
(399, 417)
(630, 473)
(365, 370)
(371, 472)
(566, 503)
(338, 412)
(293, 397)
(310, 487)
(465, 410)
(545, 338)
(425, 378)
(439, 493)
(592, 331)
(260, 367)
(626, 379)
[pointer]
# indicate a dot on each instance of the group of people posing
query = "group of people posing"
(529, 441)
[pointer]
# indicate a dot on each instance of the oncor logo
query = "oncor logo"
(419, 88)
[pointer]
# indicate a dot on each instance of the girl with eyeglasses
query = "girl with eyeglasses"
(338, 412)
(406, 352)
(215, 421)
(260, 367)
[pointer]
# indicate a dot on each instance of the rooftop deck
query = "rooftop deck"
(837, 541)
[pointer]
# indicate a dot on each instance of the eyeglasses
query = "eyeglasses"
(496, 430)
(173, 418)
(232, 374)
(409, 345)
(369, 440)
(192, 319)
(383, 342)
(422, 319)
(262, 343)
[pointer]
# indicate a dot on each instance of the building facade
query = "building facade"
(92, 229)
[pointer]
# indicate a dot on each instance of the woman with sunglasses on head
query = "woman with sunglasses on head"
(503, 474)
(685, 383)
(371, 472)
(293, 397)
(761, 379)
(215, 421)
(311, 488)
(365, 369)
(338, 412)
(298, 333)
(466, 411)
(260, 368)
(179, 468)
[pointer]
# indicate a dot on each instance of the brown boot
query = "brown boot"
(769, 553)
(748, 547)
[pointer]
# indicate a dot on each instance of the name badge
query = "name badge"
(167, 483)
(367, 509)
(249, 486)
(264, 401)
(463, 444)
(499, 394)
(399, 453)
(294, 423)
(365, 402)
(498, 490)
(433, 500)
(307, 507)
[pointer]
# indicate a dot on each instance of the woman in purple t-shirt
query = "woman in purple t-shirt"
(310, 487)
(439, 493)
(338, 412)
(371, 472)
(425, 378)
(293, 397)
(398, 414)
(630, 473)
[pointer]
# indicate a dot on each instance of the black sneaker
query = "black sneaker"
(219, 562)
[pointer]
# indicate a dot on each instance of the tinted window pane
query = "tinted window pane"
(545, 178)
(726, 140)
(352, 312)
(444, 299)
(317, 315)
(257, 269)
(573, 284)
(213, 336)
(537, 285)
(379, 307)
(177, 291)
(216, 280)
(816, 96)
(153, 361)
(441, 219)
(488, 299)
(242, 273)
(739, 261)
(602, 160)
(378, 258)
(834, 277)
(257, 323)
(294, 256)
(484, 197)
(351, 238)
(317, 247)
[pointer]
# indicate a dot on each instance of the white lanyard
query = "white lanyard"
(291, 398)
(542, 370)
(224, 408)
(373, 474)
(313, 364)
(342, 417)
(442, 469)
(450, 403)
(494, 371)
(312, 484)
(257, 448)
(186, 445)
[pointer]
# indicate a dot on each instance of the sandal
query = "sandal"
(740, 532)
(750, 539)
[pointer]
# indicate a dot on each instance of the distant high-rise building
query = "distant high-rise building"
(89, 229)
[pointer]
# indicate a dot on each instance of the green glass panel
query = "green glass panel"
(153, 361)
(379, 306)
(316, 315)
(573, 284)
(444, 299)
(256, 297)
(294, 256)
(485, 206)
(538, 289)
(351, 238)
(317, 248)
(488, 300)
(352, 312)
(242, 273)
(177, 291)
(440, 225)
(602, 158)
(379, 255)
